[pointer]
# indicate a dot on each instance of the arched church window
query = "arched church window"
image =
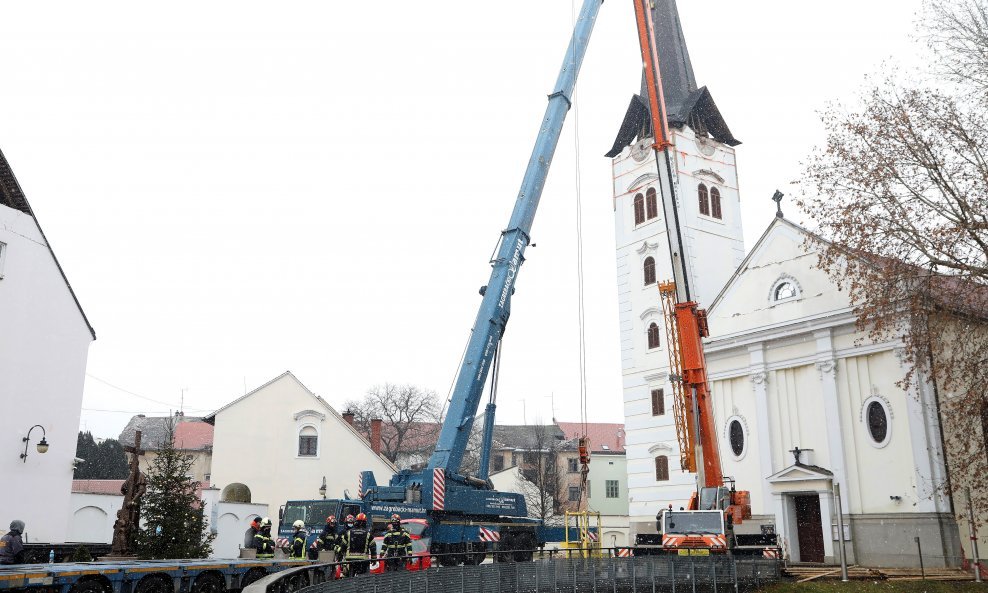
(661, 468)
(704, 197)
(715, 210)
(785, 290)
(653, 335)
(651, 204)
(649, 269)
(639, 209)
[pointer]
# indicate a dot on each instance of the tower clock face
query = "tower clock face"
(640, 150)
(706, 145)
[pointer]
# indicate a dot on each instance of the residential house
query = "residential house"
(44, 345)
(607, 490)
(190, 436)
(280, 441)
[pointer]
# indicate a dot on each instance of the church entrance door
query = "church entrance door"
(809, 527)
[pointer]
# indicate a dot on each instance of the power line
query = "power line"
(129, 392)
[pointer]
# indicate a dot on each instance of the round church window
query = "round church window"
(878, 422)
(736, 437)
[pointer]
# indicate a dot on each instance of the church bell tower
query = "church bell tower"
(706, 186)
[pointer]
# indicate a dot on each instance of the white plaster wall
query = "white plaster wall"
(93, 516)
(733, 398)
(877, 473)
(256, 443)
(44, 343)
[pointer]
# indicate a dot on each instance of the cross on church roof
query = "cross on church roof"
(777, 198)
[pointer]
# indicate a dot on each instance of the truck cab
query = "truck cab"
(694, 532)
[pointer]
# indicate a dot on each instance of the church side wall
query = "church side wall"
(44, 344)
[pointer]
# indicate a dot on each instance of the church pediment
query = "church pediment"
(776, 285)
(801, 473)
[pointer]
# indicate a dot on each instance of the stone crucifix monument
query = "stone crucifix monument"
(129, 516)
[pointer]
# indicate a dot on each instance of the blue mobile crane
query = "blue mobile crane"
(467, 517)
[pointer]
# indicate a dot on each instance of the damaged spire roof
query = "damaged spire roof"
(685, 103)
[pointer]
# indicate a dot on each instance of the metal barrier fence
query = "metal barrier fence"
(647, 574)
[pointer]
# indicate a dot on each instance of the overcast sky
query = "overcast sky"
(236, 189)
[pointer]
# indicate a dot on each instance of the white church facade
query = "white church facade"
(790, 374)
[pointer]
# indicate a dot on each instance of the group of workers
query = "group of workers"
(353, 544)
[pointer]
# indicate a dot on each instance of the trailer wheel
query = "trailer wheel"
(254, 574)
(91, 585)
(154, 584)
(209, 582)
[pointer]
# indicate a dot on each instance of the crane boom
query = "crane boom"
(496, 306)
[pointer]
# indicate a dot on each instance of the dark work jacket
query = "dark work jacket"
(328, 537)
(298, 544)
(397, 543)
(11, 548)
(356, 543)
(264, 544)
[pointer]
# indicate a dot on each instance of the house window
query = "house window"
(661, 468)
(715, 210)
(651, 204)
(658, 402)
(308, 442)
(498, 462)
(704, 198)
(574, 494)
(612, 489)
(735, 434)
(653, 335)
(649, 268)
(639, 209)
(571, 465)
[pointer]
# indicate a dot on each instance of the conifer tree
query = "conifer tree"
(173, 521)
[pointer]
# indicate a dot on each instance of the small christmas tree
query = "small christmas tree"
(173, 520)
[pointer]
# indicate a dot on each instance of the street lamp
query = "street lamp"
(322, 489)
(42, 444)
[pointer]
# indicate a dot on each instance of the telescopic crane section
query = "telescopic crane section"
(496, 306)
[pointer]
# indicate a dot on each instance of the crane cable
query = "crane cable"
(584, 448)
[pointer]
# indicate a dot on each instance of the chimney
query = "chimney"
(348, 416)
(375, 440)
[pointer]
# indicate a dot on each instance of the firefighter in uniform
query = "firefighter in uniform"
(298, 540)
(328, 538)
(397, 545)
(355, 546)
(338, 547)
(263, 542)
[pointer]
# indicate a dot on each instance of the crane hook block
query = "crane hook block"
(584, 450)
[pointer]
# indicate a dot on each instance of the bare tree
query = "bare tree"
(411, 418)
(540, 471)
(899, 195)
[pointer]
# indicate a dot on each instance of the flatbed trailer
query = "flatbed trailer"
(140, 576)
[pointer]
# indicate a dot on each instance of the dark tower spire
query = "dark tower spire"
(683, 99)
(678, 81)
